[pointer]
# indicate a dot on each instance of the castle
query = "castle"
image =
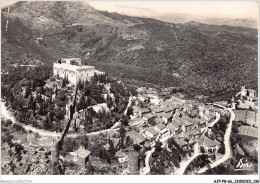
(73, 70)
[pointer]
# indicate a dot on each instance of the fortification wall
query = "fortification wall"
(74, 73)
(86, 72)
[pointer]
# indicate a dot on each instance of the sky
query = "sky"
(218, 9)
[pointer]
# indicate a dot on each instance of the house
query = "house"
(181, 144)
(187, 107)
(80, 156)
(176, 100)
(251, 94)
(148, 117)
(151, 133)
(154, 99)
(209, 116)
(192, 134)
(136, 137)
(121, 157)
(208, 145)
(166, 117)
(157, 121)
(169, 106)
(173, 128)
(245, 104)
(163, 131)
(100, 107)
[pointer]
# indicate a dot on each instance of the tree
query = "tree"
(82, 103)
(130, 111)
(27, 92)
(122, 133)
(124, 120)
(82, 141)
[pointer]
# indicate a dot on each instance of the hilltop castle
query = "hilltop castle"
(73, 70)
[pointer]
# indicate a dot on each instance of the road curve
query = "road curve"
(43, 133)
(184, 164)
(226, 141)
(8, 115)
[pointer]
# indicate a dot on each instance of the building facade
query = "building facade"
(73, 70)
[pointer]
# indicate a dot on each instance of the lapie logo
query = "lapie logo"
(243, 164)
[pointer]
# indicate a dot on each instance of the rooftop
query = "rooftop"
(137, 138)
(81, 152)
(119, 154)
(208, 142)
(149, 115)
(172, 126)
(152, 131)
(160, 127)
(165, 115)
(180, 142)
(158, 120)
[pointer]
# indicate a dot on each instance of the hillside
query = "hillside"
(196, 58)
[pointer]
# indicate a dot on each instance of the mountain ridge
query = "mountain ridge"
(200, 58)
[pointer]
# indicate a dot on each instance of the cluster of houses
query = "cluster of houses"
(183, 120)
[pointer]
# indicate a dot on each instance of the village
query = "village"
(157, 119)
(157, 115)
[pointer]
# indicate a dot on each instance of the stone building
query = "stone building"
(80, 156)
(73, 70)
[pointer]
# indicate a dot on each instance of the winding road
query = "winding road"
(184, 164)
(226, 142)
(44, 133)
(8, 115)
